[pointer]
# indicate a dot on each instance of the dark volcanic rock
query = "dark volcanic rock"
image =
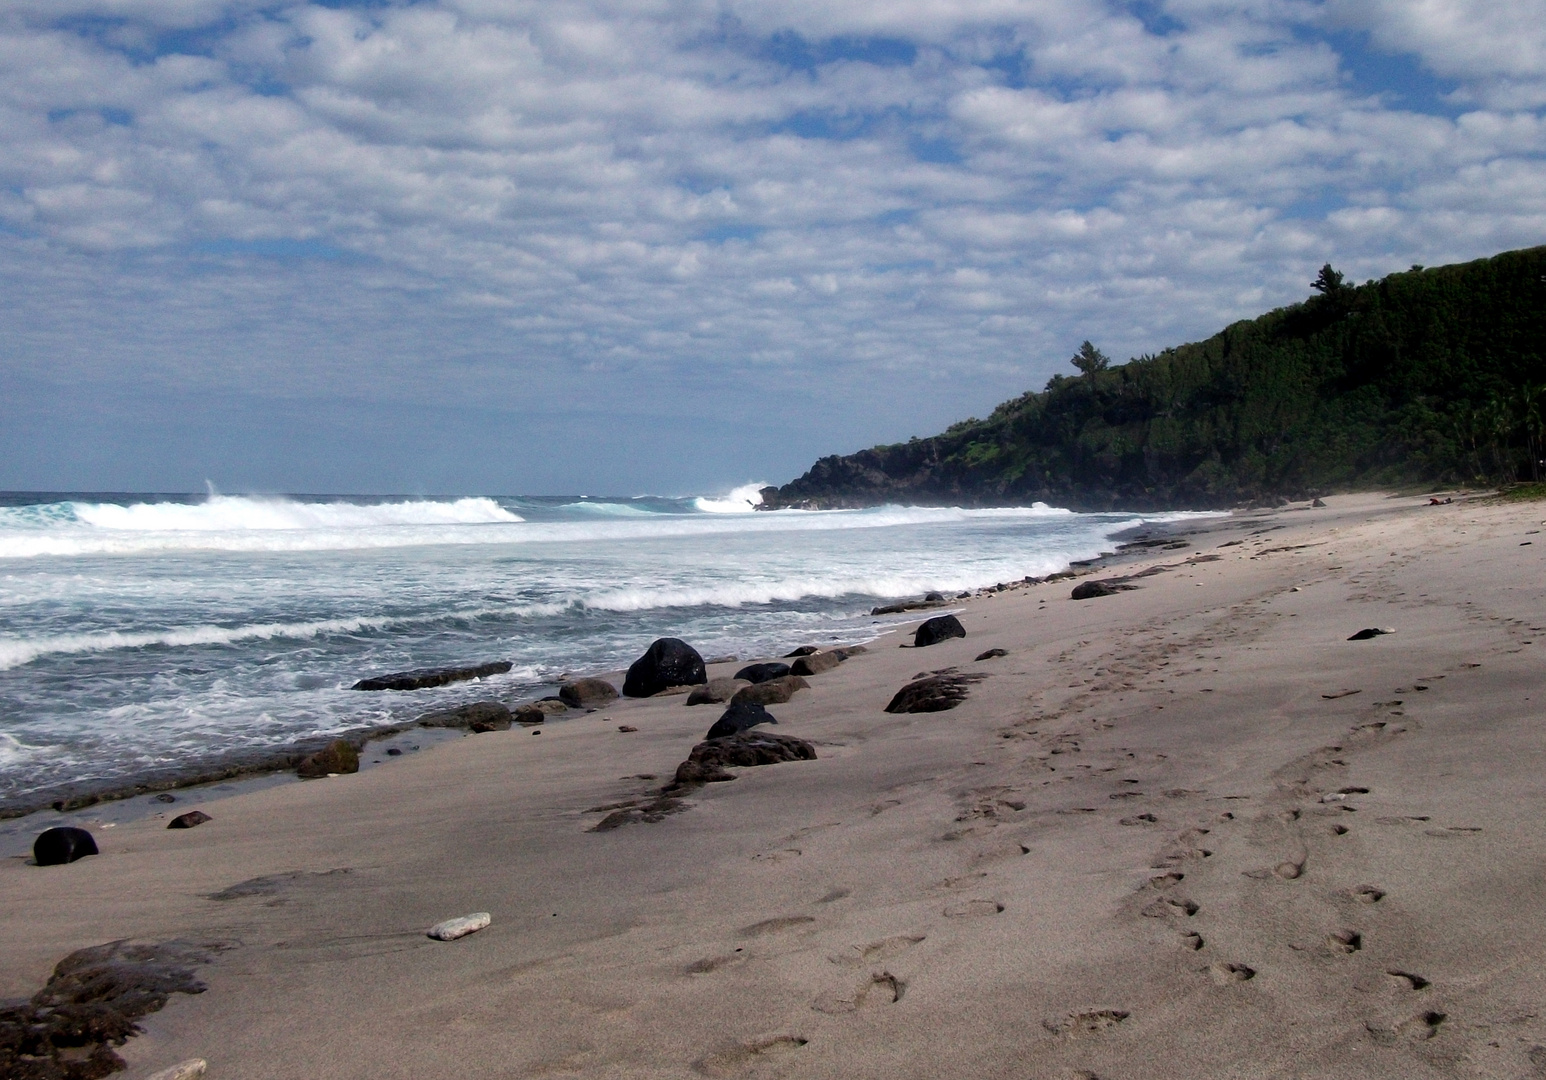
(189, 820)
(992, 653)
(816, 663)
(772, 692)
(1088, 590)
(940, 628)
(716, 691)
(66, 1030)
(935, 693)
(477, 716)
(587, 693)
(709, 759)
(1370, 632)
(55, 847)
(803, 650)
(757, 673)
(427, 677)
(668, 662)
(741, 716)
(337, 757)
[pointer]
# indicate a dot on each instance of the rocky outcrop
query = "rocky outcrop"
(423, 678)
(337, 757)
(940, 628)
(587, 693)
(191, 819)
(92, 1003)
(741, 716)
(709, 759)
(1089, 590)
(772, 692)
(475, 716)
(666, 663)
(65, 844)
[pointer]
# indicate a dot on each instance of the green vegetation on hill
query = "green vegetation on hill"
(1428, 377)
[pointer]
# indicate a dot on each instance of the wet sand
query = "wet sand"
(1184, 830)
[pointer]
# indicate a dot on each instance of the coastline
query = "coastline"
(996, 890)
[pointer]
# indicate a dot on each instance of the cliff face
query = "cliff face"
(1425, 377)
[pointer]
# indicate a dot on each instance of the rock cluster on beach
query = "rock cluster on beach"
(92, 1003)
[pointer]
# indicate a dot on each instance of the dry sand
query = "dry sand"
(1145, 846)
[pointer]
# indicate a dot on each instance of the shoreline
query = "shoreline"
(245, 767)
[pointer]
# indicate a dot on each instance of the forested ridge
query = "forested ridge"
(1432, 376)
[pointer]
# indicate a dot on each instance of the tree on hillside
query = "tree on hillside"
(1328, 282)
(1089, 360)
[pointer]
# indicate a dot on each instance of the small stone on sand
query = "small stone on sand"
(461, 926)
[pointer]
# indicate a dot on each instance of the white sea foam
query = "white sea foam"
(239, 524)
(17, 651)
(742, 500)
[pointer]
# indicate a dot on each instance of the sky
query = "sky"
(673, 246)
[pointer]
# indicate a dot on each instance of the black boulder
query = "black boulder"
(668, 662)
(741, 716)
(756, 673)
(940, 628)
(65, 844)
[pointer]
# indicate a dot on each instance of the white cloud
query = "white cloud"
(624, 192)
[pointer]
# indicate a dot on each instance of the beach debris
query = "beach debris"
(66, 1031)
(934, 693)
(940, 628)
(992, 653)
(61, 845)
(189, 820)
(626, 727)
(475, 716)
(337, 757)
(423, 678)
(191, 1069)
(716, 691)
(1371, 632)
(394, 752)
(817, 663)
(707, 762)
(760, 673)
(460, 926)
(803, 650)
(741, 716)
(667, 662)
(772, 692)
(586, 693)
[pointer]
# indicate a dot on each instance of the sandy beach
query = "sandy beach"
(1185, 830)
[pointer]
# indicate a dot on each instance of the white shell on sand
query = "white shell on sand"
(461, 926)
(191, 1069)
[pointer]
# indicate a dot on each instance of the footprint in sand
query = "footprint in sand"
(729, 1062)
(1367, 894)
(1139, 819)
(1192, 941)
(884, 949)
(774, 926)
(1346, 942)
(973, 909)
(1092, 1022)
(881, 988)
(1406, 980)
(1224, 974)
(1171, 906)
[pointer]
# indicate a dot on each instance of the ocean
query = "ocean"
(144, 634)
